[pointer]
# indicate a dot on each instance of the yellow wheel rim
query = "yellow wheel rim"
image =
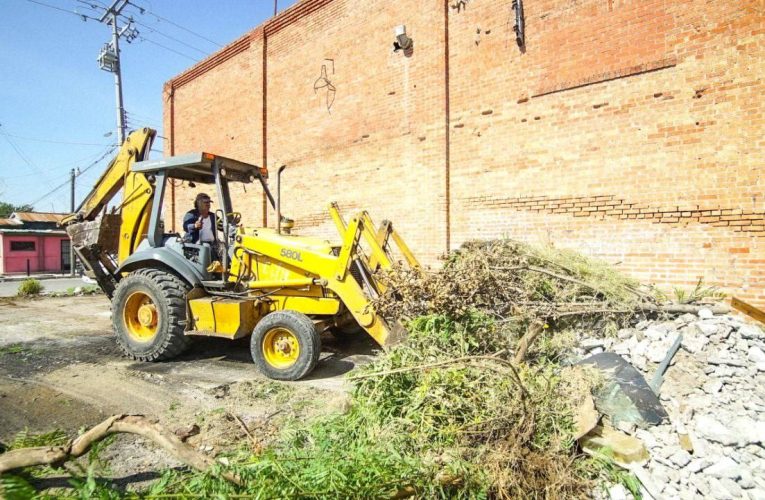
(280, 348)
(140, 316)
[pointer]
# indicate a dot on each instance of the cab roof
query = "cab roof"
(198, 167)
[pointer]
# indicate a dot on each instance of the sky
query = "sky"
(57, 108)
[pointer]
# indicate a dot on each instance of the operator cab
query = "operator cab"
(200, 168)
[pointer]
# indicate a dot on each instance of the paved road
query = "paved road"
(9, 288)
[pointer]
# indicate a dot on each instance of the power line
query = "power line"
(84, 17)
(144, 39)
(23, 156)
(169, 37)
(67, 182)
(143, 10)
(50, 141)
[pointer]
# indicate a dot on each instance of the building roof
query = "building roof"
(9, 222)
(21, 232)
(37, 216)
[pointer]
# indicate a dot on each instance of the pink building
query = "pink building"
(32, 242)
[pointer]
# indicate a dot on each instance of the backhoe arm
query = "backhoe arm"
(97, 242)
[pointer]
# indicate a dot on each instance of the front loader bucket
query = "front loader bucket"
(362, 267)
(95, 243)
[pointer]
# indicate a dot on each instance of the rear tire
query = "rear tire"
(148, 315)
(285, 345)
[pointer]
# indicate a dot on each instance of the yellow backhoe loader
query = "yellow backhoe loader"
(280, 288)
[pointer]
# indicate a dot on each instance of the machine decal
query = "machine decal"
(291, 254)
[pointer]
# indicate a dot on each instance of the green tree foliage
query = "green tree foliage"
(6, 209)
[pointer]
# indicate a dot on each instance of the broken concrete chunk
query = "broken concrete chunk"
(618, 492)
(680, 458)
(751, 332)
(586, 418)
(695, 343)
(725, 467)
(707, 329)
(711, 429)
(705, 313)
(756, 355)
(626, 449)
(713, 386)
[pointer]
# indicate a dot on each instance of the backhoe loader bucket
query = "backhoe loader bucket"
(367, 251)
(95, 243)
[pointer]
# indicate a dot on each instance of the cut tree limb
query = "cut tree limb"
(528, 338)
(130, 424)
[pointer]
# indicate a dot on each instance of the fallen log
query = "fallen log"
(129, 424)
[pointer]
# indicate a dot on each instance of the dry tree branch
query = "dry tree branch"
(130, 424)
(528, 338)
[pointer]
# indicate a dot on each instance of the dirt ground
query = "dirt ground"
(60, 368)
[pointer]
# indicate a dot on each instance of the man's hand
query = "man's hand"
(198, 223)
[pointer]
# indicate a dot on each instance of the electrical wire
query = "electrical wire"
(144, 39)
(143, 10)
(50, 141)
(66, 182)
(160, 33)
(24, 157)
(84, 17)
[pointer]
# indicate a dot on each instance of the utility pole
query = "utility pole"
(275, 1)
(109, 57)
(71, 211)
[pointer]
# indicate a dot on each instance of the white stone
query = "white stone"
(726, 467)
(709, 428)
(618, 492)
(697, 464)
(749, 431)
(694, 343)
(706, 329)
(742, 346)
(733, 489)
(705, 313)
(713, 386)
(681, 458)
(717, 490)
(655, 333)
(746, 481)
(756, 355)
(657, 351)
(751, 332)
(761, 367)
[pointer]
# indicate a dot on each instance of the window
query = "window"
(22, 246)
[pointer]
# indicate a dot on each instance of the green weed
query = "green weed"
(30, 287)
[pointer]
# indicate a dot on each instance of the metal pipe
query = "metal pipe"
(279, 199)
(293, 283)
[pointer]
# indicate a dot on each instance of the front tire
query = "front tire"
(148, 315)
(285, 345)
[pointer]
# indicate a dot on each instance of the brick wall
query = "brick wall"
(631, 130)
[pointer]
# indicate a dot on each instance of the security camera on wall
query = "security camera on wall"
(403, 42)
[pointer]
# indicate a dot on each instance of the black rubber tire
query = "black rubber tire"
(309, 341)
(168, 292)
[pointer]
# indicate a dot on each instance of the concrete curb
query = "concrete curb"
(37, 277)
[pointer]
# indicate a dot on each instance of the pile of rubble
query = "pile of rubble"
(713, 444)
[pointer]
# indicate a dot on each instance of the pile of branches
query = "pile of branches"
(526, 289)
(508, 278)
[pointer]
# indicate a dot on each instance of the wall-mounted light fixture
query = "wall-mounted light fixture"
(520, 25)
(402, 42)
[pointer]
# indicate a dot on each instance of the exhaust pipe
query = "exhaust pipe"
(279, 199)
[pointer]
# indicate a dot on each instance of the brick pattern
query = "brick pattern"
(611, 207)
(629, 130)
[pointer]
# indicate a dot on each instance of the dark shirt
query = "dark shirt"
(192, 233)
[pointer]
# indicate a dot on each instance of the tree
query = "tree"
(6, 209)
